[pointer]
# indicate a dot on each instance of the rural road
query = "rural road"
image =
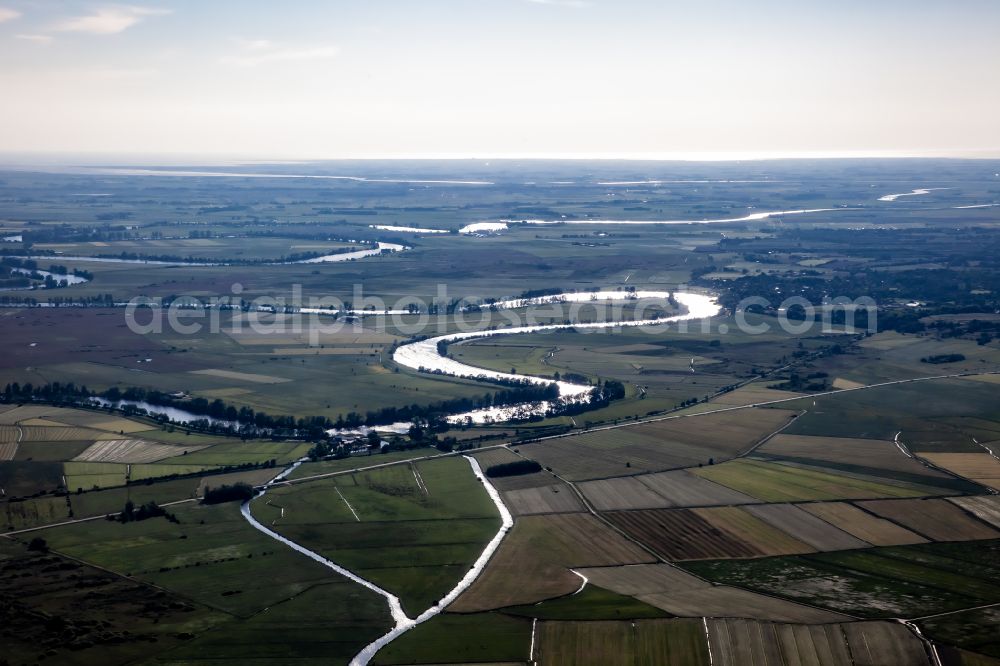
(403, 622)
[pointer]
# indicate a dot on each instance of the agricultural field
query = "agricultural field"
(667, 642)
(200, 249)
(778, 482)
(736, 642)
(127, 451)
(657, 446)
(986, 508)
(680, 534)
(118, 621)
(974, 630)
(904, 581)
(934, 519)
(33, 512)
(937, 415)
(681, 594)
(94, 475)
(736, 497)
(662, 490)
(761, 535)
(862, 524)
(413, 529)
(206, 565)
(805, 527)
(555, 498)
(589, 603)
(534, 562)
(478, 638)
(982, 468)
(862, 456)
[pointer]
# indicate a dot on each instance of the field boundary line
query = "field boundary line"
(953, 612)
(419, 479)
(764, 440)
(354, 470)
(708, 640)
(337, 488)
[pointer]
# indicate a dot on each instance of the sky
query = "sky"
(436, 78)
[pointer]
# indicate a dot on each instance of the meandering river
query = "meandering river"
(424, 355)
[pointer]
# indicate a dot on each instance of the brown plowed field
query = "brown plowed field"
(863, 525)
(936, 519)
(680, 534)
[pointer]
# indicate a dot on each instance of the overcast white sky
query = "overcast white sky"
(368, 78)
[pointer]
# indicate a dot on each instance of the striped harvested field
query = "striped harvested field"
(681, 534)
(741, 642)
(657, 446)
(806, 527)
(43, 422)
(686, 595)
(979, 467)
(60, 434)
(877, 643)
(774, 482)
(863, 525)
(99, 420)
(673, 642)
(682, 489)
(663, 490)
(120, 426)
(621, 493)
(752, 531)
(10, 433)
(936, 519)
(533, 562)
(986, 507)
(752, 394)
(498, 456)
(128, 451)
(8, 450)
(554, 498)
(12, 416)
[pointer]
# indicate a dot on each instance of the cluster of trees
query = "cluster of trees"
(247, 422)
(131, 514)
(21, 273)
(516, 394)
(237, 492)
(984, 331)
(52, 392)
(516, 468)
(311, 426)
(938, 359)
(96, 301)
(814, 381)
(78, 272)
(297, 256)
(600, 396)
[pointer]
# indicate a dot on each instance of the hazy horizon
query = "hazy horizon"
(578, 79)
